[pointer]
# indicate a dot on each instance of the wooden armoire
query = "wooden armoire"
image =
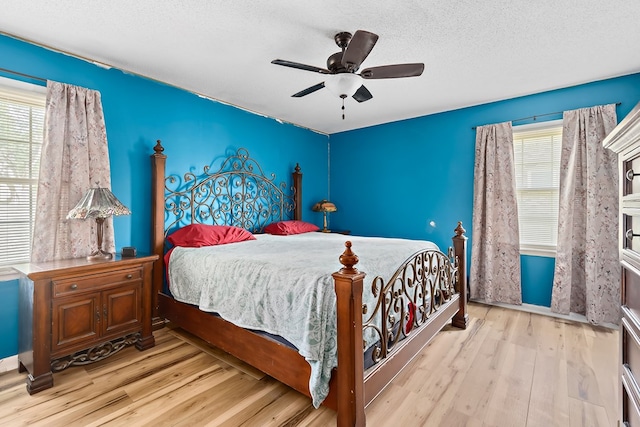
(625, 140)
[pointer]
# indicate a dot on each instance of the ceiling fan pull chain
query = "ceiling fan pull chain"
(343, 97)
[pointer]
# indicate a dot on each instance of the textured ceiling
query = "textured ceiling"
(475, 52)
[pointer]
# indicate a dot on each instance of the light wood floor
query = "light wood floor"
(509, 368)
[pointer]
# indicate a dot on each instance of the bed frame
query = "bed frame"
(208, 198)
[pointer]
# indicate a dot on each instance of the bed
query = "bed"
(376, 323)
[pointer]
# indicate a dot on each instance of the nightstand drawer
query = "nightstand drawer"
(90, 283)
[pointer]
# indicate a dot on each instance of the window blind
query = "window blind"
(537, 169)
(21, 135)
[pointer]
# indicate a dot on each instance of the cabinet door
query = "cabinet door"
(75, 322)
(630, 286)
(122, 309)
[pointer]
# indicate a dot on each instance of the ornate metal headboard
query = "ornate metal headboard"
(239, 194)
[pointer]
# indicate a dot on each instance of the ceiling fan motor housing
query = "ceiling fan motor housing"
(334, 63)
(342, 39)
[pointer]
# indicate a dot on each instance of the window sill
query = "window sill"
(8, 274)
(538, 251)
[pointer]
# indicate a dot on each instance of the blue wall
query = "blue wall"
(8, 318)
(537, 279)
(397, 178)
(137, 112)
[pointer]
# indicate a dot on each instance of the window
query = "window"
(21, 132)
(537, 166)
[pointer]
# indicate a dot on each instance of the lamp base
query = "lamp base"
(326, 230)
(99, 255)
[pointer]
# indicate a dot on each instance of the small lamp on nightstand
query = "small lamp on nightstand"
(324, 206)
(98, 203)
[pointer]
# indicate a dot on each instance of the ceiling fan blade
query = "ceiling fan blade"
(358, 49)
(300, 66)
(393, 71)
(362, 94)
(308, 90)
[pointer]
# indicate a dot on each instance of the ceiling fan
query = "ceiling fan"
(343, 79)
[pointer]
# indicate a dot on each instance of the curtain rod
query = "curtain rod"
(15, 73)
(534, 117)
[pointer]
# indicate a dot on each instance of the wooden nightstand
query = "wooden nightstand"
(75, 312)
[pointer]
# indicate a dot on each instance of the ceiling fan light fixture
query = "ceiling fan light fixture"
(343, 85)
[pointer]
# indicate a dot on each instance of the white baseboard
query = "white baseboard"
(8, 364)
(546, 311)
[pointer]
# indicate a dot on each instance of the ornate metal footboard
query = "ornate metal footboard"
(406, 301)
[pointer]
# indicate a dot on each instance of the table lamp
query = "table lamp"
(324, 206)
(98, 203)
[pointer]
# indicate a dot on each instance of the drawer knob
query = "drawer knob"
(74, 287)
(129, 276)
(630, 175)
(629, 234)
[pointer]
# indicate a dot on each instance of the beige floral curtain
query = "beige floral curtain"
(74, 158)
(587, 271)
(495, 252)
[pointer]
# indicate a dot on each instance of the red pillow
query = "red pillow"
(198, 235)
(284, 228)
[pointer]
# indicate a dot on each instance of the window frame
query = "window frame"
(32, 95)
(549, 251)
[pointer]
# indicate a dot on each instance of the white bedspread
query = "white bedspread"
(283, 285)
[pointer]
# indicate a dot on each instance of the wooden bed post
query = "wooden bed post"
(158, 163)
(350, 380)
(297, 194)
(461, 318)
